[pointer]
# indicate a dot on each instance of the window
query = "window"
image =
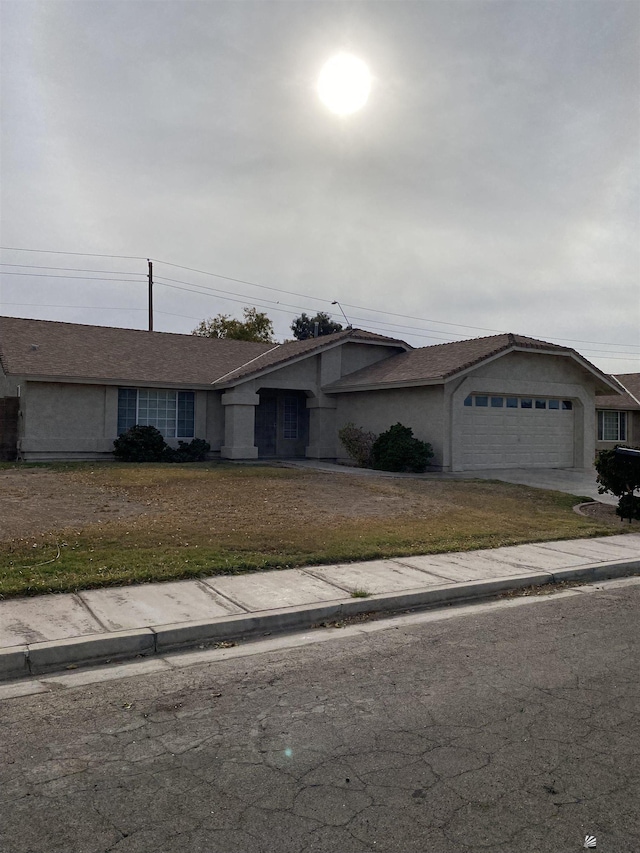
(468, 401)
(526, 403)
(482, 401)
(497, 402)
(170, 412)
(567, 405)
(612, 426)
(512, 402)
(554, 404)
(290, 426)
(541, 404)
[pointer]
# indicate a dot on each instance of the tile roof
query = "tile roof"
(69, 350)
(629, 400)
(441, 361)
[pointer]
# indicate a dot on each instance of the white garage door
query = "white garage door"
(516, 432)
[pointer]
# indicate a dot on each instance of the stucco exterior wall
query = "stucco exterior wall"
(212, 413)
(76, 421)
(356, 356)
(299, 376)
(8, 386)
(532, 374)
(64, 421)
(375, 411)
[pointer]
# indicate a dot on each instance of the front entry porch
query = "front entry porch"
(281, 424)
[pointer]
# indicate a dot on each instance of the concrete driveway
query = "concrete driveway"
(572, 481)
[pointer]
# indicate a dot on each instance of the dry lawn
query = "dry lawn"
(65, 527)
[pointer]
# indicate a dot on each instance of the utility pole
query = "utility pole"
(150, 295)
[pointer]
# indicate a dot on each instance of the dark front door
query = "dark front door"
(282, 424)
(9, 427)
(267, 424)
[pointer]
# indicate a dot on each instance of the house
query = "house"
(499, 401)
(618, 415)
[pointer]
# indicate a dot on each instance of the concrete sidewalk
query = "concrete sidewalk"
(51, 632)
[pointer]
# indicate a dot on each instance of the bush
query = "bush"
(358, 443)
(397, 450)
(146, 444)
(195, 451)
(629, 507)
(620, 475)
(140, 444)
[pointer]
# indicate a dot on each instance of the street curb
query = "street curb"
(13, 662)
(91, 648)
(35, 658)
(597, 571)
(170, 637)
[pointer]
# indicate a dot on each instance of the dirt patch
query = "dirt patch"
(606, 514)
(36, 500)
(67, 527)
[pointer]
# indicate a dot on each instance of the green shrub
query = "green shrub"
(397, 450)
(140, 444)
(195, 451)
(620, 475)
(146, 444)
(358, 443)
(629, 507)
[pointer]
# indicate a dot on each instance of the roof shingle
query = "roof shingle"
(105, 354)
(440, 361)
(629, 400)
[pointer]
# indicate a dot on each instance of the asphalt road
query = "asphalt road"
(508, 729)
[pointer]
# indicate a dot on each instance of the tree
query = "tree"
(619, 473)
(256, 326)
(304, 326)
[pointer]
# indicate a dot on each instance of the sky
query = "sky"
(489, 184)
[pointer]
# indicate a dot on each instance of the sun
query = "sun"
(344, 84)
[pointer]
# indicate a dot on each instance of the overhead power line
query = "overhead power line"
(307, 297)
(68, 269)
(87, 307)
(77, 254)
(81, 277)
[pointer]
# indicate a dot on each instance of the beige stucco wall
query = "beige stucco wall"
(63, 421)
(309, 375)
(76, 421)
(8, 385)
(375, 411)
(356, 356)
(530, 374)
(212, 430)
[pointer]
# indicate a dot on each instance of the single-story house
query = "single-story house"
(499, 401)
(618, 415)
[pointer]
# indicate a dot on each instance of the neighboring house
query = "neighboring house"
(618, 415)
(499, 401)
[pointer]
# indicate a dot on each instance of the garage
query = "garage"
(500, 431)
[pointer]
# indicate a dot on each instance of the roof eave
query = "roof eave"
(567, 353)
(265, 371)
(115, 381)
(384, 386)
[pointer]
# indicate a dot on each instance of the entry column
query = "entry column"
(322, 427)
(239, 424)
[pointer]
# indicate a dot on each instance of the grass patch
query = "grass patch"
(135, 523)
